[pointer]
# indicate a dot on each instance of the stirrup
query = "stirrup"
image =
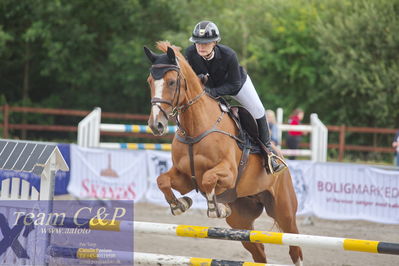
(270, 169)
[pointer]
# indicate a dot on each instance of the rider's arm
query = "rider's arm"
(232, 84)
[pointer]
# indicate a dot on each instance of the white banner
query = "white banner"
(301, 180)
(338, 191)
(159, 162)
(349, 191)
(108, 174)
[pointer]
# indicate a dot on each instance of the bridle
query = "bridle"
(158, 71)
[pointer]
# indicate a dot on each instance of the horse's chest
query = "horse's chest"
(205, 155)
(184, 163)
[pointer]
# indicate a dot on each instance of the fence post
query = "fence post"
(89, 129)
(5, 120)
(342, 130)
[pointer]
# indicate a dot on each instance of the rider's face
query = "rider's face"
(204, 49)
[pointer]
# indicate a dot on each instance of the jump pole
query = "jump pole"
(334, 243)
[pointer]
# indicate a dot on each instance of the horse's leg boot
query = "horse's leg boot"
(264, 137)
(216, 209)
(180, 205)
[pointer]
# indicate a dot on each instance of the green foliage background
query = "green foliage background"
(336, 58)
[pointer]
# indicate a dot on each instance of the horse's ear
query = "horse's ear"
(150, 54)
(171, 55)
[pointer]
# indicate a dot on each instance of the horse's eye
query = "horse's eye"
(171, 83)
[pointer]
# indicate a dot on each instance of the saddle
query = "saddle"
(246, 124)
(248, 129)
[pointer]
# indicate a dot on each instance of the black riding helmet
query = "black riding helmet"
(205, 32)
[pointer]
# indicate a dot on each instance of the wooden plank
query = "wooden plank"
(5, 189)
(81, 113)
(341, 143)
(25, 190)
(368, 148)
(371, 130)
(43, 127)
(50, 111)
(15, 184)
(333, 128)
(34, 194)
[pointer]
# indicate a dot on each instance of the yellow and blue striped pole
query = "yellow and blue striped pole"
(137, 146)
(132, 128)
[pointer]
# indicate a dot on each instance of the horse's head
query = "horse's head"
(165, 80)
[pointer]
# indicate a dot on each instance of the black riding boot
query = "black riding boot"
(264, 136)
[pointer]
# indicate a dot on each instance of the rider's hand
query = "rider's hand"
(203, 78)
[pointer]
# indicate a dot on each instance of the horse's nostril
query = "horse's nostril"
(160, 127)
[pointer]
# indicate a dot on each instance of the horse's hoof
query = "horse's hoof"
(223, 211)
(181, 205)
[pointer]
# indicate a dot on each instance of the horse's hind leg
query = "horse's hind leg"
(173, 179)
(283, 209)
(244, 212)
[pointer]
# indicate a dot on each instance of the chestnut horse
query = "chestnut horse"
(211, 162)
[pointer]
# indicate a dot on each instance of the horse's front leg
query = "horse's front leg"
(222, 176)
(174, 179)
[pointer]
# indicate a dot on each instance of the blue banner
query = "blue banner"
(66, 232)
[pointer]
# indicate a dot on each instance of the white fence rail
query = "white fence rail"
(90, 127)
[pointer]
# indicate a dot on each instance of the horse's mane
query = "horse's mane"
(188, 72)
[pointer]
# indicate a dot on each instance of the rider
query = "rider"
(218, 66)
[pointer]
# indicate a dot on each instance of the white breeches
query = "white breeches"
(249, 98)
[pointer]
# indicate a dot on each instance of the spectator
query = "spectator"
(294, 137)
(271, 118)
(395, 144)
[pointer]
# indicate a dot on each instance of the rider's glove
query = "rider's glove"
(203, 78)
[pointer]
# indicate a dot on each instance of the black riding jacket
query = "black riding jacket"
(226, 76)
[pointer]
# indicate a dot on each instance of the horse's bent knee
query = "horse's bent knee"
(163, 182)
(209, 182)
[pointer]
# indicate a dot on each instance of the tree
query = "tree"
(79, 54)
(361, 48)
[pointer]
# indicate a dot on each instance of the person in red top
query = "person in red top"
(294, 137)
